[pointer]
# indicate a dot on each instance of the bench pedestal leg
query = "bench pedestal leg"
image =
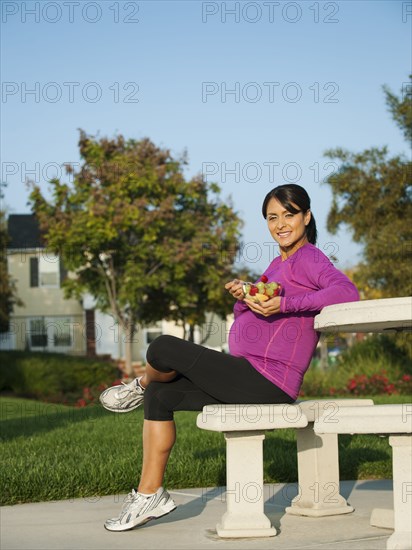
(245, 515)
(383, 518)
(401, 539)
(318, 473)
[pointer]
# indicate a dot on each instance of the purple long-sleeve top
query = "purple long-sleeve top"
(281, 346)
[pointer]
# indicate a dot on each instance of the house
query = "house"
(47, 321)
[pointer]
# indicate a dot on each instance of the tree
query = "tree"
(8, 292)
(372, 195)
(401, 109)
(133, 233)
(199, 289)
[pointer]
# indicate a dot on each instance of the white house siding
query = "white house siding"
(49, 322)
(43, 307)
(109, 340)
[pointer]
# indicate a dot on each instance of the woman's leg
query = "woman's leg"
(153, 375)
(158, 440)
(159, 437)
(161, 400)
(196, 377)
(223, 377)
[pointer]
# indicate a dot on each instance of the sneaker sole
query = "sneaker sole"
(153, 514)
(111, 409)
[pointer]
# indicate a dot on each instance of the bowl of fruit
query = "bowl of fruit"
(261, 291)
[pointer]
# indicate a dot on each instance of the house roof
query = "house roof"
(24, 232)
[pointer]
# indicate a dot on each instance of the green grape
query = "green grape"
(269, 290)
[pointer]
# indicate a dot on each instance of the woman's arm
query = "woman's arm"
(334, 288)
(235, 288)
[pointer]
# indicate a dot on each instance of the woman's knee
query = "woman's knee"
(155, 407)
(157, 353)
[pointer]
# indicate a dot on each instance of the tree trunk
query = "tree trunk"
(191, 333)
(128, 331)
(210, 326)
(350, 339)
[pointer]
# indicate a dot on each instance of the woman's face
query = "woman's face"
(288, 230)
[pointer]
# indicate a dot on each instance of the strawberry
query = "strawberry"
(261, 291)
(277, 290)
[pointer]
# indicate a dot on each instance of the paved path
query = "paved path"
(78, 524)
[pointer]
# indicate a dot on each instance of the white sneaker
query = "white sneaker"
(123, 398)
(139, 509)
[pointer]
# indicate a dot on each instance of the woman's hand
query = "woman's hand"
(235, 288)
(270, 307)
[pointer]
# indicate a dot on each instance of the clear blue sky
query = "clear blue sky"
(306, 76)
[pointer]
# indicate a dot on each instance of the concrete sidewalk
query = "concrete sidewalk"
(78, 524)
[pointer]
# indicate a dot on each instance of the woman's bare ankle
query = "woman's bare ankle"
(147, 490)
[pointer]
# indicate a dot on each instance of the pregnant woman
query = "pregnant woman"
(270, 343)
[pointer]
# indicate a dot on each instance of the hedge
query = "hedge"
(375, 366)
(53, 377)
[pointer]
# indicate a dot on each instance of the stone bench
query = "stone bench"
(384, 419)
(318, 461)
(244, 429)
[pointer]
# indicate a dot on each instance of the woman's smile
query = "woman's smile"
(287, 228)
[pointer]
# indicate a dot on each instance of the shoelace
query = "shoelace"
(127, 502)
(130, 387)
(131, 499)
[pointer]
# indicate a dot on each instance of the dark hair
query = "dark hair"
(288, 195)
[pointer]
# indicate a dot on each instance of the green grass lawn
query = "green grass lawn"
(54, 452)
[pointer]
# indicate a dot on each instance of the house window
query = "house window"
(47, 270)
(61, 333)
(152, 334)
(34, 272)
(51, 333)
(38, 333)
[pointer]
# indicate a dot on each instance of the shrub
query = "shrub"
(378, 384)
(378, 349)
(374, 366)
(90, 395)
(53, 377)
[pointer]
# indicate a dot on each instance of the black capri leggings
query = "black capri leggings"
(205, 377)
